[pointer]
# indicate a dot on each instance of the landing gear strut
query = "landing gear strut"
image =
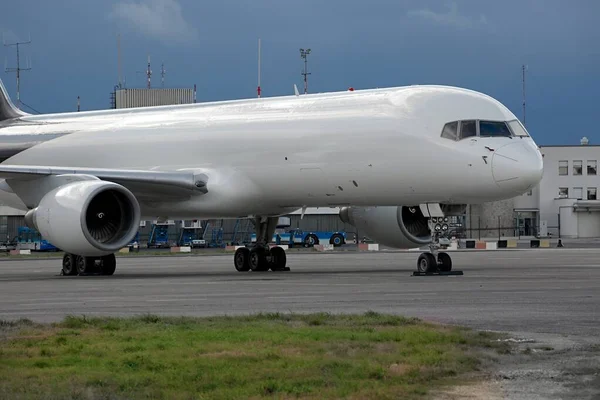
(79, 265)
(434, 260)
(260, 257)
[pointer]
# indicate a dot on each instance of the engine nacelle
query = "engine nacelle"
(395, 226)
(88, 218)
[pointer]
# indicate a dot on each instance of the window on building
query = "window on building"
(591, 167)
(591, 193)
(577, 167)
(450, 130)
(468, 129)
(563, 168)
(578, 193)
(563, 192)
(493, 129)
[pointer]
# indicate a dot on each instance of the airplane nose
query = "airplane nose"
(517, 167)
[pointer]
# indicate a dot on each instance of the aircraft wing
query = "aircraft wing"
(140, 182)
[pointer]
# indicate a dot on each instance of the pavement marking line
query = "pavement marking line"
(172, 300)
(294, 297)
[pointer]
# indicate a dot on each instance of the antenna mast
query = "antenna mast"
(304, 54)
(524, 94)
(258, 87)
(119, 59)
(18, 69)
(148, 72)
(162, 74)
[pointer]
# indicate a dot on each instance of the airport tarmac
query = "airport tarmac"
(542, 295)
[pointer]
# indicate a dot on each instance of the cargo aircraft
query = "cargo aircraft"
(396, 161)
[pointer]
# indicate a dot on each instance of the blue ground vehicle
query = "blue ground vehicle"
(298, 237)
(30, 239)
(159, 237)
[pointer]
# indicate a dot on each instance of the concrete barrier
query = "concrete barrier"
(534, 243)
(491, 246)
(480, 245)
(544, 243)
(373, 247)
(124, 250)
(502, 244)
(470, 244)
(283, 246)
(181, 249)
(511, 243)
(25, 252)
(323, 247)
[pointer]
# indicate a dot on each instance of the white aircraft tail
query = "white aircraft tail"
(7, 108)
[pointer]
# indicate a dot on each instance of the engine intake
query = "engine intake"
(90, 218)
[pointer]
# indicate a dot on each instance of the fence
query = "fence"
(475, 230)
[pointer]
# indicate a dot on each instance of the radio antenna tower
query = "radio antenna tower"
(18, 69)
(148, 72)
(304, 54)
(162, 74)
(258, 87)
(524, 68)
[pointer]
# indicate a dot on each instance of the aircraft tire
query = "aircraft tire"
(426, 263)
(241, 259)
(258, 259)
(68, 265)
(108, 264)
(444, 262)
(278, 259)
(84, 265)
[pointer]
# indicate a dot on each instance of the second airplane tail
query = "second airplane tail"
(7, 108)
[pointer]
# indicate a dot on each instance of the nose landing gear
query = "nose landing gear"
(435, 262)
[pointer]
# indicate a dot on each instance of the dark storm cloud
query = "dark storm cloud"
(476, 44)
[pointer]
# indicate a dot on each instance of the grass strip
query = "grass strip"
(314, 356)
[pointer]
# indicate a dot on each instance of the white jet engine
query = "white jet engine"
(87, 218)
(401, 227)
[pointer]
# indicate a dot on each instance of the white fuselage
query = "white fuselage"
(272, 155)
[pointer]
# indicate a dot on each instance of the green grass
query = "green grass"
(316, 356)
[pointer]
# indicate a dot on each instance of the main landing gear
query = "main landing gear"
(435, 261)
(79, 265)
(260, 257)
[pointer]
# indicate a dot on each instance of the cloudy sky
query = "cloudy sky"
(478, 44)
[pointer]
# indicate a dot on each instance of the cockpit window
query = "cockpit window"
(450, 130)
(468, 129)
(493, 129)
(517, 128)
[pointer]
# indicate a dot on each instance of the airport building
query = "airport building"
(148, 97)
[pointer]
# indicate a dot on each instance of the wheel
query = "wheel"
(337, 240)
(444, 262)
(278, 259)
(68, 264)
(258, 259)
(108, 264)
(426, 263)
(241, 259)
(311, 240)
(84, 265)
